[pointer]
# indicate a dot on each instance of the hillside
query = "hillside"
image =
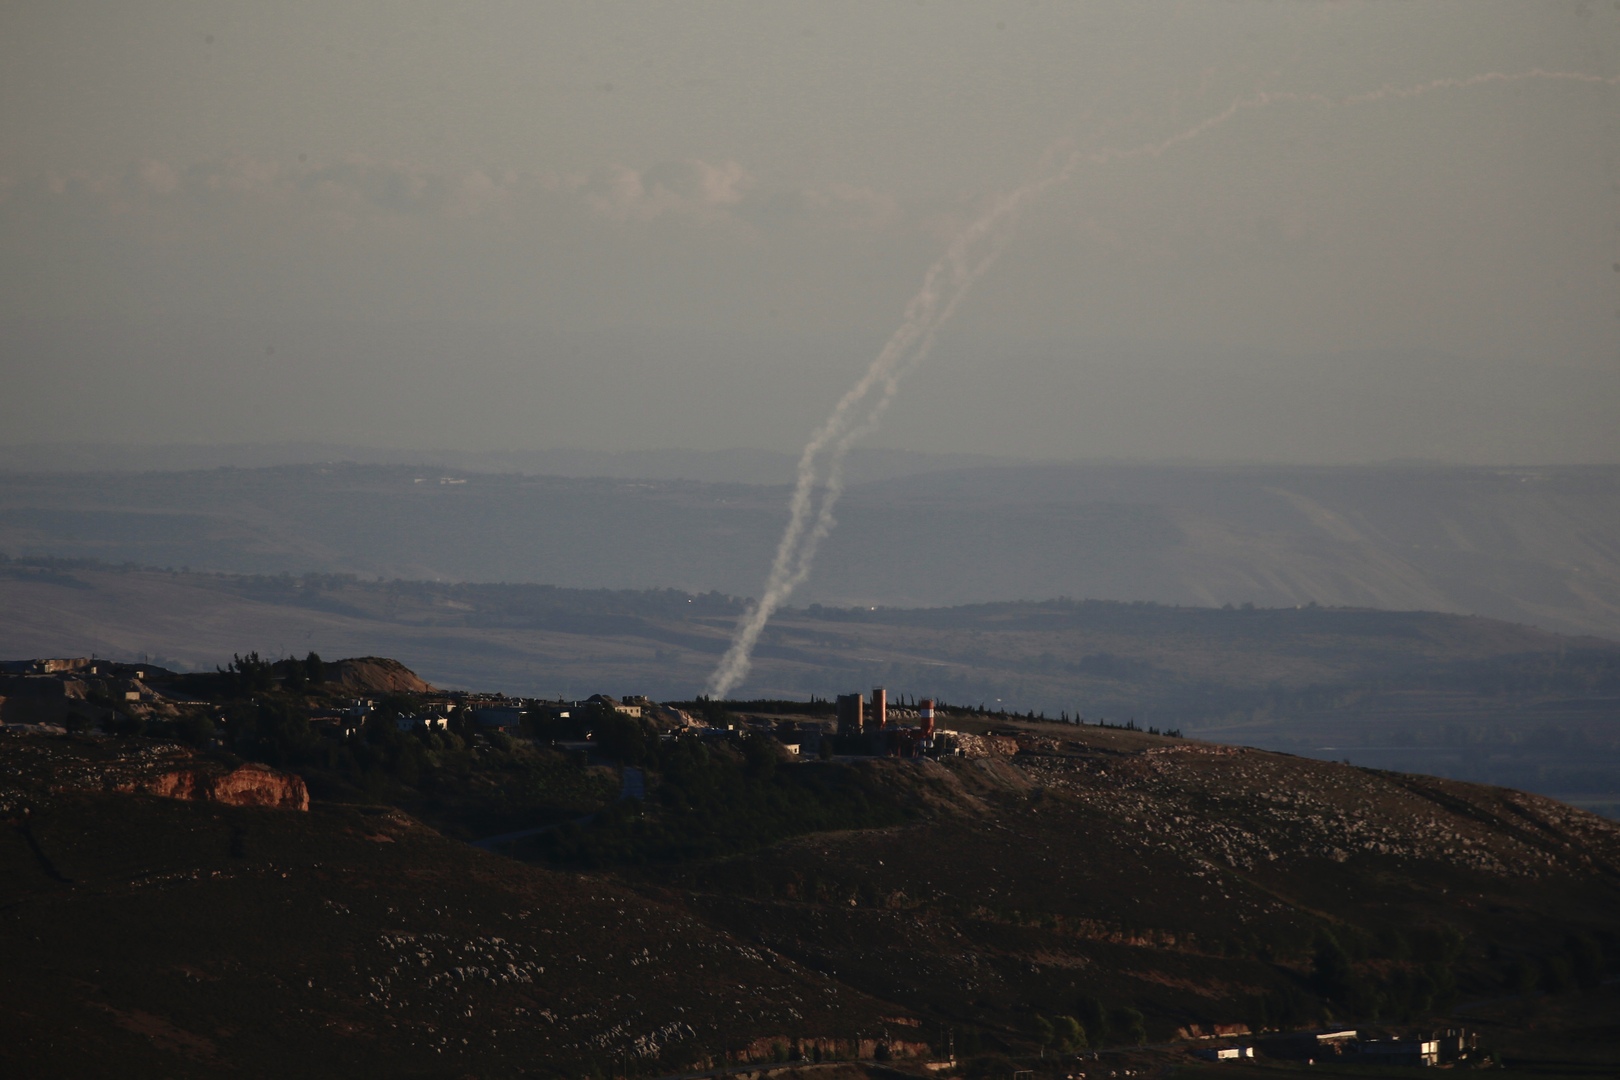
(1465, 697)
(1148, 888)
(1195, 883)
(1535, 546)
(183, 939)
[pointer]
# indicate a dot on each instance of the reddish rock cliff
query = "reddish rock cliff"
(246, 785)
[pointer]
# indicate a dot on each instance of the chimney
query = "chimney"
(925, 711)
(880, 707)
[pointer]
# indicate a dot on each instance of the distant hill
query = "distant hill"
(377, 675)
(741, 466)
(1459, 696)
(1538, 546)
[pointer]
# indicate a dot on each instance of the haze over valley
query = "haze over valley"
(1528, 545)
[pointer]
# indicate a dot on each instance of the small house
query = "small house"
(500, 717)
(1411, 1052)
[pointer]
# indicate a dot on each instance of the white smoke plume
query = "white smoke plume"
(972, 252)
(821, 465)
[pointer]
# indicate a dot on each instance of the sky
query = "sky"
(628, 226)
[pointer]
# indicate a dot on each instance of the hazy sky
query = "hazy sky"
(628, 226)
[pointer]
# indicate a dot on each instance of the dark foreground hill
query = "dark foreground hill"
(1459, 696)
(1056, 885)
(155, 937)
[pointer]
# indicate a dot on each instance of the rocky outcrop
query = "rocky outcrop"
(981, 746)
(246, 785)
(260, 785)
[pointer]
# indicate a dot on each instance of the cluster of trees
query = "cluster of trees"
(1415, 976)
(1413, 979)
(274, 728)
(719, 801)
(1419, 982)
(1580, 964)
(248, 674)
(617, 737)
(1093, 1026)
(252, 674)
(1089, 1025)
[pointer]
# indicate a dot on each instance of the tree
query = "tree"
(759, 756)
(1093, 1018)
(1586, 960)
(1128, 1025)
(249, 674)
(1331, 974)
(1069, 1035)
(624, 739)
(194, 729)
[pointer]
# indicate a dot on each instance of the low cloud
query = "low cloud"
(255, 235)
(356, 189)
(680, 188)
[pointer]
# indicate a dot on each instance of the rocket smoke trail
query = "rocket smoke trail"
(973, 251)
(969, 255)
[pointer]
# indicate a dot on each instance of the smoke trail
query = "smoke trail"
(972, 252)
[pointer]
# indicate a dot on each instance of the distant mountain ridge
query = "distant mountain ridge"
(734, 466)
(1540, 546)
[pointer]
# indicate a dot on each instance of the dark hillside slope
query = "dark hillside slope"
(1064, 873)
(186, 939)
(1141, 885)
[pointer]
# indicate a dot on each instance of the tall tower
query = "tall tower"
(850, 720)
(925, 713)
(880, 707)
